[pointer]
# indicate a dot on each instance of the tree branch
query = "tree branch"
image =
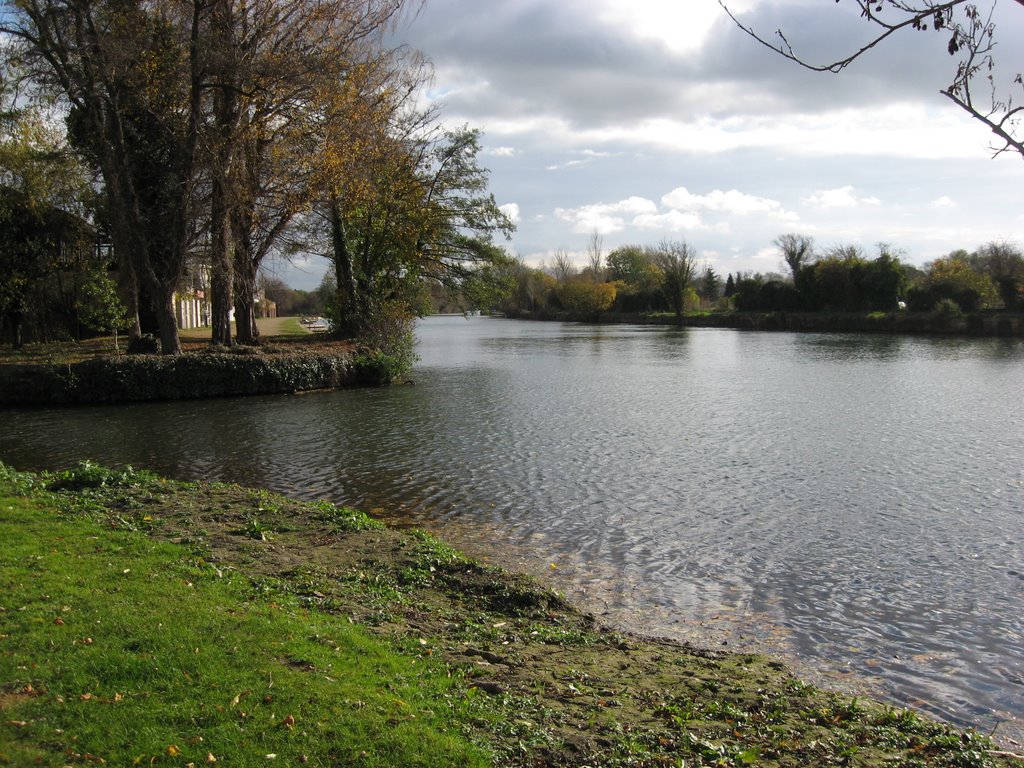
(972, 37)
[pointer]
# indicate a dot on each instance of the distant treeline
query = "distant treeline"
(296, 302)
(668, 278)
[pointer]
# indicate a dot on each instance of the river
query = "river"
(852, 503)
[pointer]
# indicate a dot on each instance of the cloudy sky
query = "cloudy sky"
(646, 120)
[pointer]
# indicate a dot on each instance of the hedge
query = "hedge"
(180, 377)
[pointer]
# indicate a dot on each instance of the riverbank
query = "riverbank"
(982, 324)
(530, 681)
(94, 372)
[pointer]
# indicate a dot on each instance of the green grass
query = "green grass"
(121, 650)
(292, 327)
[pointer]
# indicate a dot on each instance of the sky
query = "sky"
(653, 120)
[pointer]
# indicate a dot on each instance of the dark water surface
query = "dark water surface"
(855, 503)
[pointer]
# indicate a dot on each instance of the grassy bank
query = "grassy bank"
(150, 622)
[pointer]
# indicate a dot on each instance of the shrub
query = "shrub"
(947, 309)
(586, 299)
(90, 475)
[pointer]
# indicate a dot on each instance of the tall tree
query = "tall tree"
(181, 105)
(1004, 263)
(677, 261)
(797, 251)
(730, 286)
(269, 62)
(635, 268)
(366, 183)
(44, 190)
(401, 202)
(710, 284)
(595, 256)
(972, 41)
(131, 77)
(562, 267)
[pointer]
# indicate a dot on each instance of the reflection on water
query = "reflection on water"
(853, 501)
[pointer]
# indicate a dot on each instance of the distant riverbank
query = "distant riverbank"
(992, 324)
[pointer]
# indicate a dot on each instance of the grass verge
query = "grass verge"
(118, 649)
(144, 621)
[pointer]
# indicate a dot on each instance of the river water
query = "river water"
(852, 503)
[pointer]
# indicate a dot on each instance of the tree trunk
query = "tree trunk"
(344, 275)
(129, 289)
(170, 343)
(246, 331)
(16, 317)
(220, 268)
(246, 261)
(223, 141)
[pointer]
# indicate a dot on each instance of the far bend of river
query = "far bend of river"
(853, 503)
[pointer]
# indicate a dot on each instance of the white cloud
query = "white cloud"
(586, 157)
(680, 27)
(511, 210)
(606, 218)
(840, 197)
(566, 164)
(502, 152)
(732, 202)
(944, 202)
(673, 221)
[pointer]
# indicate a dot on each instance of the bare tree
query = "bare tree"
(797, 250)
(972, 40)
(844, 252)
(562, 267)
(595, 256)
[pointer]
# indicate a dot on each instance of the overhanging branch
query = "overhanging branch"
(971, 37)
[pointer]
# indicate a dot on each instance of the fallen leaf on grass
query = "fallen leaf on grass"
(172, 750)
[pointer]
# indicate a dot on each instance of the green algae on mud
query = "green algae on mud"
(544, 684)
